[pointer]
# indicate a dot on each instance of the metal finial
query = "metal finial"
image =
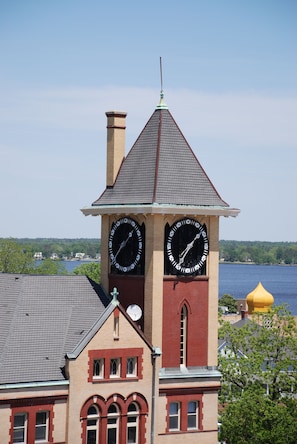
(161, 75)
(114, 294)
(161, 104)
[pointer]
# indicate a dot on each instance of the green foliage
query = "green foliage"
(48, 266)
(228, 301)
(257, 419)
(259, 252)
(14, 258)
(259, 378)
(90, 269)
(62, 247)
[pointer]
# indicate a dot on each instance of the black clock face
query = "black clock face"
(125, 245)
(187, 247)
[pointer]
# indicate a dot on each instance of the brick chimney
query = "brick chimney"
(116, 125)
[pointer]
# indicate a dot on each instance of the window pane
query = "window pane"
(115, 367)
(192, 407)
(112, 409)
(40, 433)
(92, 410)
(18, 436)
(132, 418)
(192, 422)
(91, 437)
(112, 436)
(98, 367)
(41, 418)
(173, 423)
(173, 408)
(19, 420)
(131, 435)
(132, 407)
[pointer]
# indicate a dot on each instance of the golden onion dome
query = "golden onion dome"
(259, 300)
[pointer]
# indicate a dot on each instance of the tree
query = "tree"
(13, 258)
(230, 302)
(90, 269)
(48, 266)
(258, 420)
(259, 377)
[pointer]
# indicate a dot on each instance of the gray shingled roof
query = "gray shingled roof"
(41, 319)
(161, 168)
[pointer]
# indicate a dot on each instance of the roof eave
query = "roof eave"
(203, 210)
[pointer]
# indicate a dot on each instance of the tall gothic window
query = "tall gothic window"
(113, 424)
(132, 424)
(92, 425)
(183, 335)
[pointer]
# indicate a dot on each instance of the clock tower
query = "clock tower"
(160, 249)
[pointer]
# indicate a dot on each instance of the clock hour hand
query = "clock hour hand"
(122, 245)
(190, 245)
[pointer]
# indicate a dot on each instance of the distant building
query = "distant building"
(79, 256)
(38, 256)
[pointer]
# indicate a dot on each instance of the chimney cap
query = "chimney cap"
(116, 113)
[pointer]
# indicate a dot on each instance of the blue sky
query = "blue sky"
(230, 81)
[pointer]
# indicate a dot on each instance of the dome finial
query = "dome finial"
(161, 104)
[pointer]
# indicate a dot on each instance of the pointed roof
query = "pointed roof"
(161, 174)
(161, 168)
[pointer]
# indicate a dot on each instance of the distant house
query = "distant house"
(79, 256)
(38, 256)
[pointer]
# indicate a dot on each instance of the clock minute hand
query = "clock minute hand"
(122, 245)
(187, 249)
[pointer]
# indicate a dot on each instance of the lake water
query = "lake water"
(240, 279)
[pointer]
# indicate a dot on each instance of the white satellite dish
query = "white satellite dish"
(134, 311)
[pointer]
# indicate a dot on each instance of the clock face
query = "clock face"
(125, 245)
(187, 247)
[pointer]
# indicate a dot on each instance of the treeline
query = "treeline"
(230, 251)
(259, 252)
(62, 247)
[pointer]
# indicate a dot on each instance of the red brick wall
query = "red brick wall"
(194, 294)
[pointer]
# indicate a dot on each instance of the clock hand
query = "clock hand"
(122, 245)
(187, 249)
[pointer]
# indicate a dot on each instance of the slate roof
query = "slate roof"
(41, 319)
(161, 168)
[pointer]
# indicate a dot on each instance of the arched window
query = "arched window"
(183, 335)
(113, 416)
(132, 423)
(92, 425)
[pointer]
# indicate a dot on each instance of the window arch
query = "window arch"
(115, 420)
(92, 425)
(183, 335)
